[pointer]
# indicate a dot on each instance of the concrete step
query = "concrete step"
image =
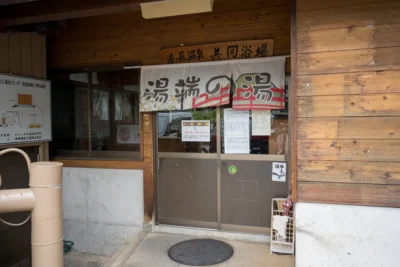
(77, 259)
(125, 251)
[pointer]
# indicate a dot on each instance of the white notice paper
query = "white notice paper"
(236, 131)
(196, 131)
(261, 123)
(279, 172)
(25, 110)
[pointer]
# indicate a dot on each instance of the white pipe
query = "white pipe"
(45, 199)
(28, 160)
(25, 195)
(16, 200)
(47, 217)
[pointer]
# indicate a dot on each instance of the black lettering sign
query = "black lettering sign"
(217, 54)
(232, 51)
(246, 51)
(262, 51)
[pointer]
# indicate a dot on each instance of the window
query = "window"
(274, 144)
(170, 131)
(96, 115)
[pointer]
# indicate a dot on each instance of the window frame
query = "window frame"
(72, 156)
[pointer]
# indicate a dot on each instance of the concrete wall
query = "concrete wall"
(343, 236)
(103, 208)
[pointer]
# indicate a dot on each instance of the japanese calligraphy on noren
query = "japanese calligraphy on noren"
(256, 84)
(218, 51)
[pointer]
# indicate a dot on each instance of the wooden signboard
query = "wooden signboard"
(218, 51)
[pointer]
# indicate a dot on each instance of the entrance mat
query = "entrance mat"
(200, 252)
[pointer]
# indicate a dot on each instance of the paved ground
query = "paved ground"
(152, 252)
(76, 259)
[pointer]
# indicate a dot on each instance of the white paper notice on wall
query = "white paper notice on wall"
(25, 110)
(236, 131)
(261, 122)
(196, 131)
(279, 171)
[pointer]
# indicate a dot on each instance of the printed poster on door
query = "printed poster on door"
(279, 171)
(236, 131)
(196, 131)
(250, 84)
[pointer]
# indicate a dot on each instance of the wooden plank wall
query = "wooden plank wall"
(348, 96)
(23, 54)
(127, 37)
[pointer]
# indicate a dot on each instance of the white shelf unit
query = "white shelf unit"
(279, 244)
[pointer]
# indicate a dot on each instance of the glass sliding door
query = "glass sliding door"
(226, 182)
(187, 168)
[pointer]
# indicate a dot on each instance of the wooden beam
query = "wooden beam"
(349, 16)
(4, 52)
(349, 128)
(349, 105)
(303, 5)
(72, 14)
(124, 23)
(47, 10)
(349, 61)
(372, 82)
(134, 36)
(14, 44)
(293, 102)
(358, 172)
(356, 194)
(349, 150)
(376, 36)
(26, 54)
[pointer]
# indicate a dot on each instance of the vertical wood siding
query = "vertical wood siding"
(23, 54)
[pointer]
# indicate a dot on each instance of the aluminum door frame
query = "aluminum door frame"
(219, 157)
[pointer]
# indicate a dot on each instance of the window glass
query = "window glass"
(105, 120)
(274, 144)
(170, 131)
(114, 113)
(70, 115)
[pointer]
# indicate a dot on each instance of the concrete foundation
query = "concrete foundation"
(211, 233)
(103, 208)
(346, 236)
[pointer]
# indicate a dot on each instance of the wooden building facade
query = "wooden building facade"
(345, 74)
(128, 37)
(344, 108)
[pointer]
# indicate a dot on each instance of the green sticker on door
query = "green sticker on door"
(232, 169)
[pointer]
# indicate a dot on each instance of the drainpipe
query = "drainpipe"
(44, 199)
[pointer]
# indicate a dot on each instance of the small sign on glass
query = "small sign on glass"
(196, 131)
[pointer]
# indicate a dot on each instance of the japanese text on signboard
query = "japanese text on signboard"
(179, 87)
(218, 51)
